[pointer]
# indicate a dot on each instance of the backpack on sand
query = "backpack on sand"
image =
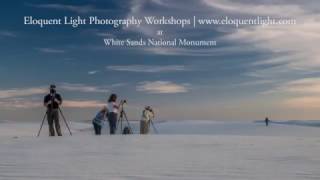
(126, 130)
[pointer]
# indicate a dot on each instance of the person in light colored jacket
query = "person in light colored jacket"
(147, 116)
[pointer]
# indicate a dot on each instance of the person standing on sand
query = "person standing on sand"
(147, 116)
(52, 101)
(99, 120)
(267, 121)
(113, 108)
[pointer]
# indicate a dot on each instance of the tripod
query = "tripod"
(122, 117)
(64, 119)
(153, 126)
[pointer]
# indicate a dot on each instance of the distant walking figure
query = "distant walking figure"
(113, 108)
(267, 121)
(52, 101)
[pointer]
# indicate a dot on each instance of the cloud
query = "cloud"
(82, 88)
(148, 68)
(162, 87)
(280, 10)
(93, 72)
(105, 35)
(301, 87)
(31, 97)
(294, 47)
(7, 34)
(306, 102)
(83, 104)
(292, 50)
(302, 93)
(19, 103)
(50, 50)
(99, 33)
(81, 9)
(191, 7)
(255, 83)
(25, 103)
(31, 91)
(116, 85)
(12, 93)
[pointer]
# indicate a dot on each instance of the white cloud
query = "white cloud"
(83, 104)
(7, 34)
(293, 48)
(25, 103)
(82, 88)
(261, 9)
(301, 87)
(81, 9)
(31, 97)
(19, 103)
(105, 35)
(304, 102)
(148, 68)
(93, 72)
(297, 44)
(303, 93)
(162, 87)
(21, 92)
(50, 50)
(31, 91)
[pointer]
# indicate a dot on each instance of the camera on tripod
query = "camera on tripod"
(123, 101)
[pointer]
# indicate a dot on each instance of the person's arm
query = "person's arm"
(58, 99)
(144, 116)
(115, 105)
(46, 101)
(104, 113)
(152, 114)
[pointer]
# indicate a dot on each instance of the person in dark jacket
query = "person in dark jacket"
(52, 102)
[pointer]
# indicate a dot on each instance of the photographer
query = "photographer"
(113, 108)
(147, 116)
(52, 101)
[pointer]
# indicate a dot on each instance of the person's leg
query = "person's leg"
(50, 123)
(147, 127)
(57, 123)
(112, 118)
(99, 130)
(112, 126)
(144, 127)
(141, 127)
(95, 127)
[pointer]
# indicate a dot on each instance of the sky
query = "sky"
(253, 72)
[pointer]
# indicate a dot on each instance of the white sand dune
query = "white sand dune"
(222, 151)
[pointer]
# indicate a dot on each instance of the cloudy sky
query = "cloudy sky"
(254, 71)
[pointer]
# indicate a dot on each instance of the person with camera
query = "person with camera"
(52, 101)
(147, 116)
(113, 108)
